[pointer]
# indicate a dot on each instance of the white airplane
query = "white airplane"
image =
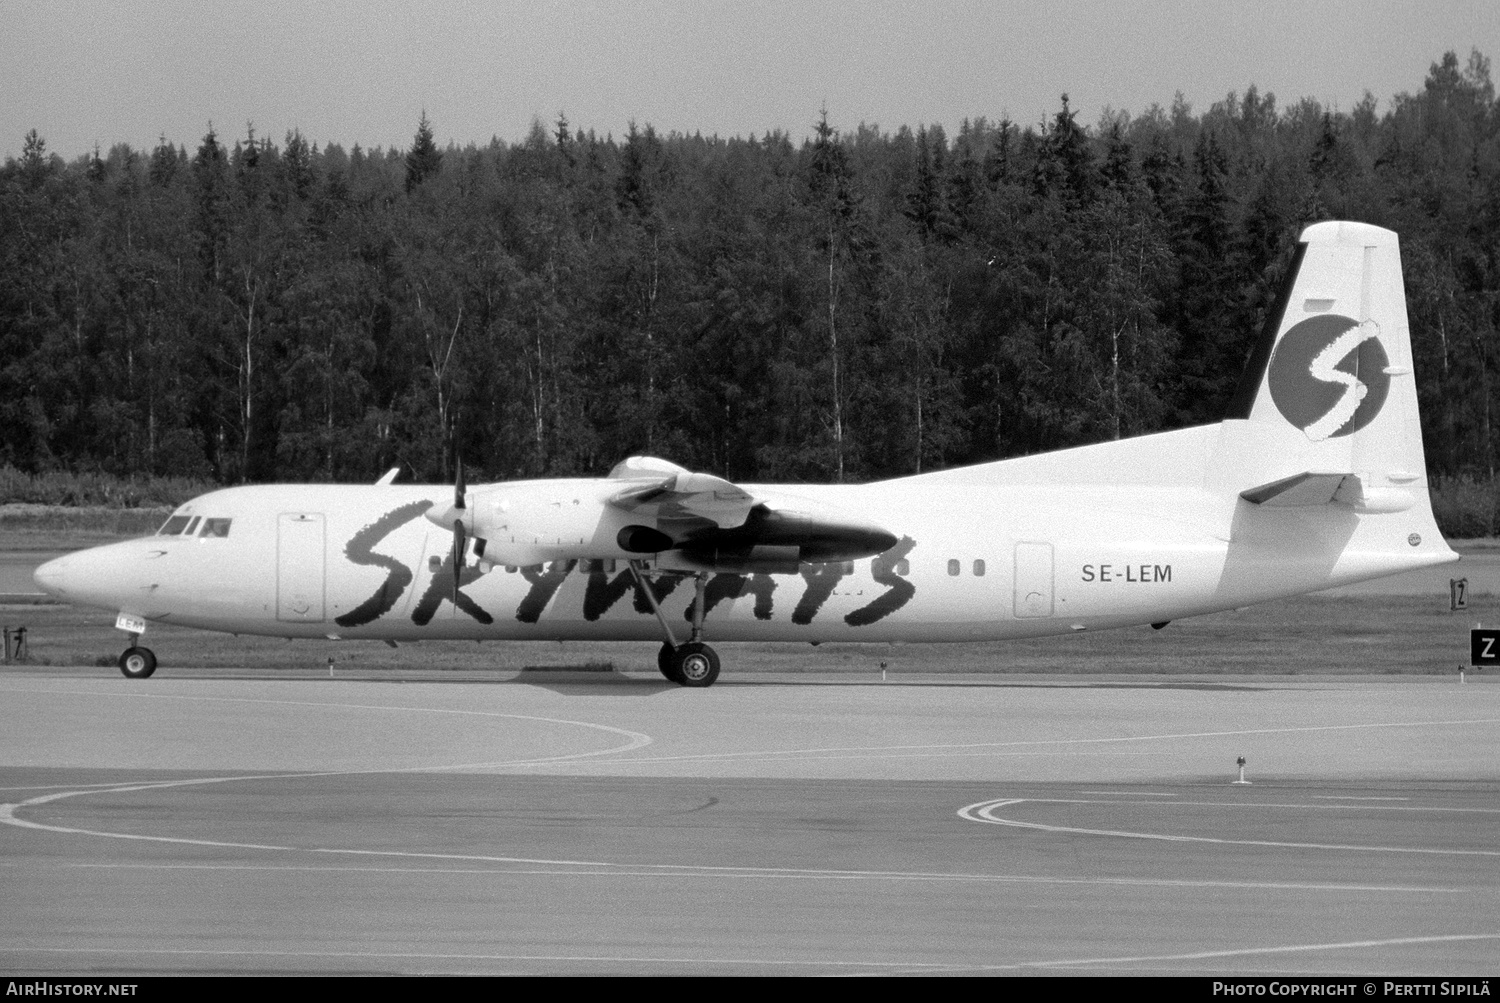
(1316, 478)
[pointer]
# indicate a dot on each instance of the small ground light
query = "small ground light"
(1240, 762)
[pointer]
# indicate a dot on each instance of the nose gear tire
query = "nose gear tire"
(137, 663)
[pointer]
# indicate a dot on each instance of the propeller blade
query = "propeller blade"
(459, 543)
(459, 488)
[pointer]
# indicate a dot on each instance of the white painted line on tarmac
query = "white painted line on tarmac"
(1346, 945)
(945, 748)
(322, 704)
(634, 740)
(693, 961)
(698, 961)
(653, 871)
(771, 759)
(983, 811)
(58, 787)
(1352, 797)
(1277, 804)
(7, 815)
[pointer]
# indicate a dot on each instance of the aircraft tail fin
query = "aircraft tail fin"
(1329, 388)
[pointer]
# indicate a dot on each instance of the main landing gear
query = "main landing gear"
(692, 663)
(137, 662)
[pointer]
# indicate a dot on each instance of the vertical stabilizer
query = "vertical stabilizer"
(1329, 386)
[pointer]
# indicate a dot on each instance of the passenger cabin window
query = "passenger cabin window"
(953, 566)
(979, 569)
(903, 567)
(216, 527)
(173, 526)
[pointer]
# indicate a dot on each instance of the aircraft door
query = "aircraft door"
(1033, 589)
(299, 567)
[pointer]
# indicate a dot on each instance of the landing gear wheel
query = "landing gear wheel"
(137, 663)
(666, 662)
(697, 664)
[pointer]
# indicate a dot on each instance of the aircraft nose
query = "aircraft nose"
(52, 577)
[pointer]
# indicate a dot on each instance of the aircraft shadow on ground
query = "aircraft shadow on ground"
(580, 681)
(575, 682)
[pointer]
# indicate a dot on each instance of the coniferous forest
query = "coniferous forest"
(864, 304)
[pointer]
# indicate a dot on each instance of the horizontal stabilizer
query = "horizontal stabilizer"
(1300, 489)
(1308, 489)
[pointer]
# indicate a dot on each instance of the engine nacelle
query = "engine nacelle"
(537, 522)
(529, 524)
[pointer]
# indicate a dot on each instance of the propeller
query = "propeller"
(460, 535)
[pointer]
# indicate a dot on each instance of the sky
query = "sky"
(92, 71)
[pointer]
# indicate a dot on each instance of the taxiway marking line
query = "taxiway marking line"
(1349, 797)
(1267, 804)
(1281, 949)
(696, 962)
(1047, 742)
(54, 787)
(699, 961)
(890, 751)
(645, 871)
(773, 759)
(8, 816)
(639, 739)
(983, 811)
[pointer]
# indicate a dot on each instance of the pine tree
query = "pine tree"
(424, 159)
(35, 164)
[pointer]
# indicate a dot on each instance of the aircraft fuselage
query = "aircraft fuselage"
(980, 562)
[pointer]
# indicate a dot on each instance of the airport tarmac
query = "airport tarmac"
(611, 823)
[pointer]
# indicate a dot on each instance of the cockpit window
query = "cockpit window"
(216, 527)
(190, 527)
(173, 526)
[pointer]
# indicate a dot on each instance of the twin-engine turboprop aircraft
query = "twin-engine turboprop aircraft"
(1315, 479)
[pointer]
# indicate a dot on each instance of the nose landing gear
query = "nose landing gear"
(137, 662)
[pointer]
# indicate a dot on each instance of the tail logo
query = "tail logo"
(1328, 375)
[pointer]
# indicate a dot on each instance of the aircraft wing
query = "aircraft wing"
(664, 491)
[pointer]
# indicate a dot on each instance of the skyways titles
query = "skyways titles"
(602, 591)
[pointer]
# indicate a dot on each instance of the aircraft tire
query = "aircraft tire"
(137, 663)
(667, 663)
(697, 664)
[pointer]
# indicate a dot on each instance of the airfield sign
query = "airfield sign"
(1484, 647)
